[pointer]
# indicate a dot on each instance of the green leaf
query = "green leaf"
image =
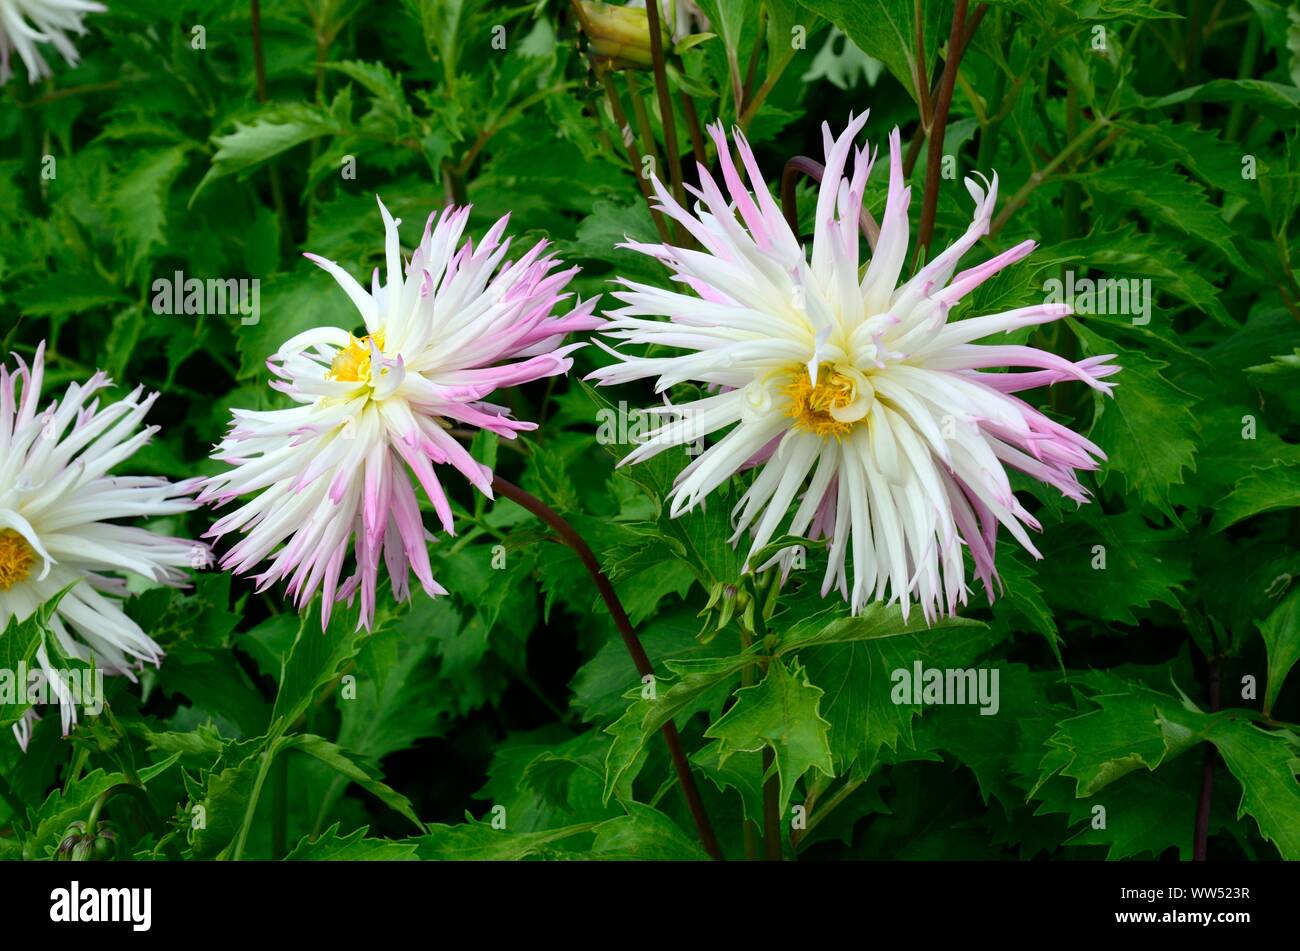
(329, 846)
(857, 677)
(314, 661)
(67, 292)
(1281, 632)
(343, 762)
(1127, 731)
(19, 643)
(728, 18)
(1265, 489)
(781, 712)
(229, 802)
(479, 842)
(51, 819)
(645, 835)
(1279, 102)
(291, 303)
(1148, 431)
(1112, 566)
(699, 681)
(1164, 195)
(877, 620)
(1140, 255)
(139, 204)
(277, 129)
(885, 30)
(1265, 763)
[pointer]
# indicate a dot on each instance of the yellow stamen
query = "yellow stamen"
(352, 364)
(810, 406)
(16, 559)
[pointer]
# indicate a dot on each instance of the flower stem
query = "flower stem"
(624, 134)
(771, 807)
(1201, 839)
(147, 811)
(801, 164)
(273, 172)
(640, 659)
(934, 158)
(693, 123)
(921, 77)
(280, 806)
(666, 114)
(849, 787)
(1038, 177)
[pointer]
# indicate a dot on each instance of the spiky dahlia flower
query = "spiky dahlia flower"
(847, 388)
(26, 23)
(334, 472)
(56, 502)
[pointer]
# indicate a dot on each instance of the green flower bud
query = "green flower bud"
(620, 34)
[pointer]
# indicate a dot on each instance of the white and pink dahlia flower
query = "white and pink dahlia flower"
(57, 503)
(25, 24)
(848, 389)
(333, 475)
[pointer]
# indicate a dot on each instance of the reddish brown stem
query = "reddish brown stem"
(934, 158)
(665, 106)
(1201, 841)
(802, 165)
(923, 127)
(640, 659)
(259, 60)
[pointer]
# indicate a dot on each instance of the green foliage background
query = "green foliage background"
(1168, 152)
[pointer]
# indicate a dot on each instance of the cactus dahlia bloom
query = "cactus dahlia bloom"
(333, 473)
(26, 23)
(849, 389)
(56, 500)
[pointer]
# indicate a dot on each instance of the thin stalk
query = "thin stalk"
(646, 132)
(272, 170)
(264, 769)
(259, 60)
(921, 76)
(624, 131)
(849, 787)
(693, 123)
(802, 165)
(751, 71)
(147, 811)
(280, 807)
(748, 829)
(752, 107)
(913, 150)
(666, 114)
(73, 91)
(923, 85)
(1245, 69)
(1201, 840)
(1038, 177)
(772, 783)
(934, 158)
(640, 659)
(771, 807)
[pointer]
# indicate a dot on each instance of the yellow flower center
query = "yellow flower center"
(16, 558)
(352, 364)
(833, 406)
